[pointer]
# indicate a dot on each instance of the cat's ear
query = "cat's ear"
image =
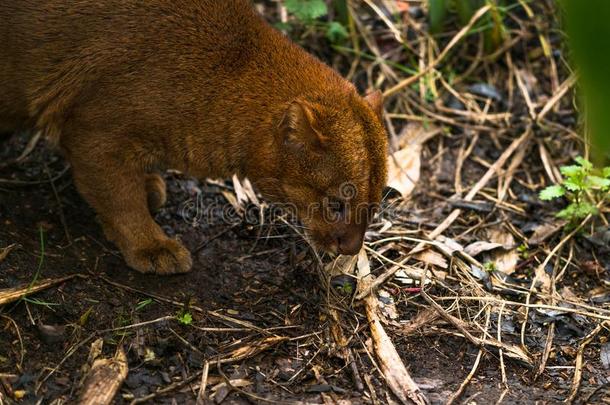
(375, 100)
(298, 128)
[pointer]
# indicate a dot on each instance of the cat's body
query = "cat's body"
(127, 88)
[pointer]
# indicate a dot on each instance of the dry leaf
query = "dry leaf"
(476, 248)
(567, 294)
(253, 348)
(403, 169)
(543, 232)
(363, 264)
(341, 265)
(505, 260)
(447, 245)
(238, 383)
(404, 165)
(432, 257)
(423, 318)
(232, 199)
(244, 194)
(543, 278)
(242, 197)
(249, 190)
(387, 305)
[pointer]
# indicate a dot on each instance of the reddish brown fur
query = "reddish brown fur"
(127, 88)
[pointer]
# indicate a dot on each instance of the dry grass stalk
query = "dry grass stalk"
(511, 350)
(4, 252)
(579, 361)
(393, 90)
(204, 382)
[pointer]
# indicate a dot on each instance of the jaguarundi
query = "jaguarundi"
(127, 88)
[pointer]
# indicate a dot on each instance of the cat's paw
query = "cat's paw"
(166, 256)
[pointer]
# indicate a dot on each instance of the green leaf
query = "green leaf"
(282, 26)
(584, 209)
(584, 162)
(341, 11)
(574, 211)
(573, 185)
(552, 192)
(437, 14)
(85, 317)
(466, 9)
(572, 171)
(489, 267)
(606, 172)
(567, 212)
(144, 303)
(496, 35)
(185, 318)
(586, 23)
(347, 289)
(598, 182)
(336, 32)
(307, 10)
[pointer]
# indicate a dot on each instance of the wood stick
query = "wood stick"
(104, 380)
(13, 294)
(391, 365)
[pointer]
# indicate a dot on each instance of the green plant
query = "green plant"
(345, 289)
(491, 24)
(489, 267)
(184, 317)
(586, 24)
(523, 251)
(143, 304)
(582, 187)
(84, 318)
(25, 297)
(309, 12)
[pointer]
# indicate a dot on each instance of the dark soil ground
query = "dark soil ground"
(266, 280)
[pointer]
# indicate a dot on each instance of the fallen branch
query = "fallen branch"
(251, 350)
(392, 367)
(9, 295)
(104, 380)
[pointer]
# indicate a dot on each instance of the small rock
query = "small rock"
(52, 334)
(486, 90)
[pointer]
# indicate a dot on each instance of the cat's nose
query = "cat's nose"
(350, 242)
